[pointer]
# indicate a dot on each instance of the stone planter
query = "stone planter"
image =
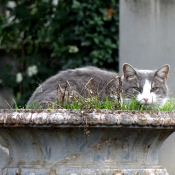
(56, 142)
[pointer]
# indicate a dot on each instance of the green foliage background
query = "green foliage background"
(41, 33)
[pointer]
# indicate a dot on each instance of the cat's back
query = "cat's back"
(79, 75)
(77, 79)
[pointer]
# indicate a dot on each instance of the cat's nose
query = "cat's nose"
(145, 99)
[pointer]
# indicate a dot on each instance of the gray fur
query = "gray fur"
(78, 78)
(136, 78)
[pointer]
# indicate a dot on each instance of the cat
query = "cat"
(146, 86)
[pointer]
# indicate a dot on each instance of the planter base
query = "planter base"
(63, 142)
(25, 171)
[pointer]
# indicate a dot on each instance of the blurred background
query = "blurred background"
(39, 38)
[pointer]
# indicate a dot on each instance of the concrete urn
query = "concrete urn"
(76, 142)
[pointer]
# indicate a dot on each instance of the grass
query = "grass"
(95, 103)
(67, 98)
(169, 105)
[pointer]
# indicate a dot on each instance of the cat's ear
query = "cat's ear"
(129, 72)
(162, 73)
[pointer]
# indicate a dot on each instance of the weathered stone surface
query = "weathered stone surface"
(52, 142)
(18, 118)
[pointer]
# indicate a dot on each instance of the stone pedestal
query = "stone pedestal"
(57, 142)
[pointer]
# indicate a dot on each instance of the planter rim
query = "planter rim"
(96, 118)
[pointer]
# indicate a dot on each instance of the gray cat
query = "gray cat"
(146, 86)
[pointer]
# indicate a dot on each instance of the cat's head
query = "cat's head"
(146, 86)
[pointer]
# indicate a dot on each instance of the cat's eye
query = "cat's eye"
(154, 89)
(137, 89)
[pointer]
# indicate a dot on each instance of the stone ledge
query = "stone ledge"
(61, 117)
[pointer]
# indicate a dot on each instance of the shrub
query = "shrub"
(43, 37)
